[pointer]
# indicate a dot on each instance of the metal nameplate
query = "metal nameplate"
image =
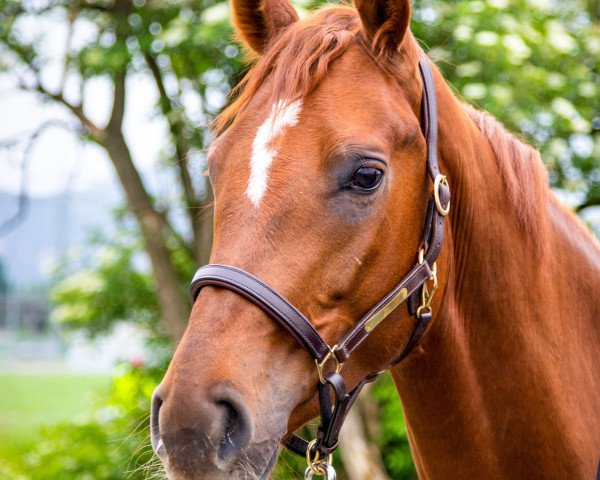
(378, 317)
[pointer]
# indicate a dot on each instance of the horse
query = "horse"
(319, 168)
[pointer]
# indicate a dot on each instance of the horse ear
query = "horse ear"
(385, 23)
(259, 21)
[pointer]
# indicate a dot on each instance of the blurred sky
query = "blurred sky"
(77, 175)
(58, 156)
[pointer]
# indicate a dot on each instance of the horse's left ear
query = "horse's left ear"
(385, 23)
(259, 21)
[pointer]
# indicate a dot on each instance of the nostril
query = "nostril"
(236, 429)
(192, 431)
(154, 422)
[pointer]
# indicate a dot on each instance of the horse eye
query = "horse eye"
(366, 179)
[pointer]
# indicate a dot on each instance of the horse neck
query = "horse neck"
(516, 343)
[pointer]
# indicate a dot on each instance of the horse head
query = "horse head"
(320, 179)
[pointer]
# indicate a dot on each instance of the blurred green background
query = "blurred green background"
(105, 208)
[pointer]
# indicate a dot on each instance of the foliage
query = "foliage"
(112, 446)
(532, 64)
(393, 441)
(184, 46)
(107, 284)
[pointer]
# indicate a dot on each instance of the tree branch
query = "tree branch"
(156, 73)
(19, 216)
(72, 16)
(124, 163)
(592, 201)
(85, 5)
(201, 223)
(175, 127)
(361, 459)
(96, 133)
(118, 109)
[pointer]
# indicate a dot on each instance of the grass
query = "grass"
(29, 402)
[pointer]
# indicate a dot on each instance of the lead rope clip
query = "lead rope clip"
(325, 470)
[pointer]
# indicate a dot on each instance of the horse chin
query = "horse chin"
(270, 465)
(257, 464)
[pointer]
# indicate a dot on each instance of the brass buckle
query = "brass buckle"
(316, 464)
(426, 294)
(330, 356)
(440, 179)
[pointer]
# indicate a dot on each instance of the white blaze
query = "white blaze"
(282, 115)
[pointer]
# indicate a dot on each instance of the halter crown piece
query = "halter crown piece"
(418, 286)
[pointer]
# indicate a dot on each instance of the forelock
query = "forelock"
(297, 61)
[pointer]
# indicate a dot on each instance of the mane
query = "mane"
(523, 173)
(298, 59)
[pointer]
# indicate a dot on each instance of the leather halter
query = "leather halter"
(413, 285)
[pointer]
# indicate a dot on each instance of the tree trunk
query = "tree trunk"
(361, 459)
(172, 300)
(199, 211)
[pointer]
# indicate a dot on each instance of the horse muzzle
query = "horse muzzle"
(206, 435)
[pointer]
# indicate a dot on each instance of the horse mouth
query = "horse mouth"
(270, 465)
(252, 470)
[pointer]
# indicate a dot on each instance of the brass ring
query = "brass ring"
(313, 462)
(330, 356)
(316, 465)
(440, 179)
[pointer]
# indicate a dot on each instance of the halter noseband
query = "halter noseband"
(412, 286)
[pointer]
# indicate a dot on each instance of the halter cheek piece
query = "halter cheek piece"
(414, 286)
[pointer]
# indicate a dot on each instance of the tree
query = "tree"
(4, 285)
(187, 53)
(535, 66)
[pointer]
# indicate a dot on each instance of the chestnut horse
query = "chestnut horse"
(506, 382)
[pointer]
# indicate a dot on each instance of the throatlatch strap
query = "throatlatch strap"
(421, 324)
(430, 120)
(434, 227)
